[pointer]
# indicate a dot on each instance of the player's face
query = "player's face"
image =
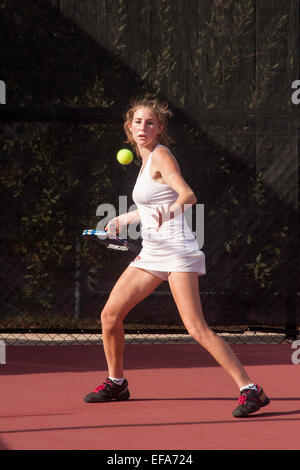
(145, 127)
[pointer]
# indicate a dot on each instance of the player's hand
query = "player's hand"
(112, 228)
(162, 214)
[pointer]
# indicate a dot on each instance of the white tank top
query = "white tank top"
(149, 195)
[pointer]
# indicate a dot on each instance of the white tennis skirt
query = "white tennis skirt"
(163, 259)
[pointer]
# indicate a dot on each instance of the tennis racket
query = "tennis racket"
(112, 242)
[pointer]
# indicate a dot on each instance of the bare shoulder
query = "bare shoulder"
(163, 157)
(163, 152)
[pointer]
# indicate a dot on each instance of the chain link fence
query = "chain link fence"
(239, 318)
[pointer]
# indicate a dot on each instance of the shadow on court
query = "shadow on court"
(261, 418)
(50, 359)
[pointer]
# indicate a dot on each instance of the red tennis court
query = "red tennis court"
(180, 399)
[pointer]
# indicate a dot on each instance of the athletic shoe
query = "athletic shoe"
(108, 391)
(250, 401)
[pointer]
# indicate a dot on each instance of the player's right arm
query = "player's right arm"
(132, 217)
(116, 224)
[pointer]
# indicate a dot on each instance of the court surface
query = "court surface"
(180, 399)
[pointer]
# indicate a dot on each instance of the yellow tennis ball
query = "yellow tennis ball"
(124, 156)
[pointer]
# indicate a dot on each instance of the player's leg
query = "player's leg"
(133, 286)
(185, 290)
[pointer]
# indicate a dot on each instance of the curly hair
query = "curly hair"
(163, 113)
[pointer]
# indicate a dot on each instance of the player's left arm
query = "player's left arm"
(167, 165)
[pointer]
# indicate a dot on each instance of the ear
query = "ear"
(129, 127)
(161, 128)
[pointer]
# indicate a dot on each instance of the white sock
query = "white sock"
(252, 386)
(117, 381)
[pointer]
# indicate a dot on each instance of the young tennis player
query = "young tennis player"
(170, 253)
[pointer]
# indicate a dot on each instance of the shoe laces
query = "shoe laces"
(102, 386)
(244, 396)
(243, 399)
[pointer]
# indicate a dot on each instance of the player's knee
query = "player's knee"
(110, 319)
(201, 334)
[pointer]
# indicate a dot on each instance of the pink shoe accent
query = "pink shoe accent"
(242, 399)
(100, 387)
